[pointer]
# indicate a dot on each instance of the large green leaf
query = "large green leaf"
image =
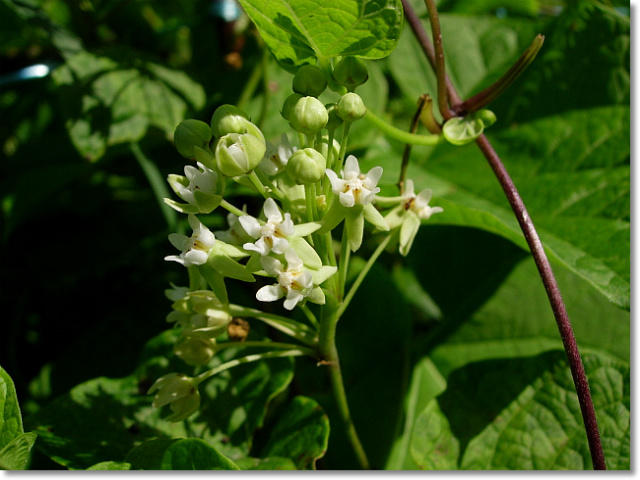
(524, 414)
(194, 454)
(15, 455)
(299, 32)
(111, 100)
(301, 434)
(577, 192)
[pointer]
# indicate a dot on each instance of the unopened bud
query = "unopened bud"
(228, 119)
(307, 166)
(350, 72)
(350, 107)
(239, 154)
(309, 80)
(308, 116)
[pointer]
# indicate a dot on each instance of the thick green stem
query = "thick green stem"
(329, 355)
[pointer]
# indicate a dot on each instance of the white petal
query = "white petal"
(271, 265)
(286, 227)
(337, 184)
(271, 211)
(251, 226)
(270, 293)
(347, 199)
(206, 237)
(373, 177)
(293, 260)
(280, 245)
(260, 246)
(174, 258)
(195, 257)
(409, 191)
(423, 198)
(293, 297)
(304, 280)
(351, 166)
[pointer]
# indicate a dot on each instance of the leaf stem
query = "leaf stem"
(232, 208)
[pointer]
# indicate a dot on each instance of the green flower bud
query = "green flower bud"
(228, 119)
(309, 80)
(308, 116)
(189, 134)
(350, 72)
(307, 166)
(350, 107)
(195, 351)
(289, 103)
(239, 154)
(334, 120)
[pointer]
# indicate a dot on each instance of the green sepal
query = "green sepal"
(181, 207)
(335, 214)
(463, 130)
(227, 266)
(374, 217)
(408, 231)
(216, 282)
(322, 274)
(205, 157)
(231, 250)
(304, 229)
(190, 134)
(176, 181)
(306, 252)
(316, 295)
(254, 265)
(354, 223)
(206, 202)
(395, 217)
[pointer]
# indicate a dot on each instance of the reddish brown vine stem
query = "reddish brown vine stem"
(532, 238)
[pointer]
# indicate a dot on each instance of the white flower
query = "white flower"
(178, 390)
(355, 188)
(419, 204)
(201, 178)
(272, 236)
(276, 158)
(294, 281)
(196, 248)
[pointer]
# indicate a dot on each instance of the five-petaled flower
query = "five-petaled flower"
(276, 157)
(294, 281)
(196, 248)
(419, 204)
(200, 179)
(355, 188)
(272, 236)
(178, 391)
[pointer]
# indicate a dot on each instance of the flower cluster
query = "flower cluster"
(309, 190)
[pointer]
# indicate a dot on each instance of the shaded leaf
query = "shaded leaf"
(110, 466)
(271, 463)
(301, 434)
(194, 454)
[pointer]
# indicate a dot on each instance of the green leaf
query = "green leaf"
(10, 417)
(271, 463)
(15, 455)
(301, 434)
(426, 384)
(433, 446)
(542, 427)
(572, 173)
(194, 454)
(103, 419)
(107, 102)
(110, 466)
(301, 32)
